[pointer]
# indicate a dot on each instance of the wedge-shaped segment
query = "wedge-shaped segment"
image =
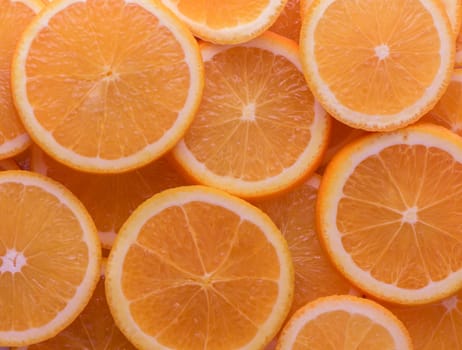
(49, 258)
(107, 86)
(196, 268)
(390, 213)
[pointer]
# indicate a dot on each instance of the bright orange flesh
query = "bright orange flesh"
(436, 326)
(289, 21)
(48, 251)
(255, 101)
(399, 193)
(294, 214)
(215, 270)
(93, 329)
(110, 198)
(448, 111)
(13, 14)
(115, 103)
(344, 322)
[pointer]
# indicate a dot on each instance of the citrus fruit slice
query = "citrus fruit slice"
(344, 322)
(289, 21)
(435, 326)
(258, 130)
(93, 89)
(8, 164)
(227, 22)
(294, 214)
(13, 14)
(458, 59)
(213, 271)
(93, 329)
(304, 6)
(454, 12)
(371, 65)
(448, 111)
(109, 198)
(389, 213)
(49, 258)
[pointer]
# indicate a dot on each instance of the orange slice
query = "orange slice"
(8, 164)
(227, 22)
(95, 93)
(389, 213)
(371, 64)
(448, 110)
(454, 11)
(344, 322)
(294, 214)
(458, 59)
(304, 6)
(214, 271)
(258, 130)
(109, 198)
(49, 258)
(93, 329)
(289, 21)
(435, 326)
(13, 14)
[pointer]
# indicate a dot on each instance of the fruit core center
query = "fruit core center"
(248, 112)
(13, 261)
(382, 51)
(410, 215)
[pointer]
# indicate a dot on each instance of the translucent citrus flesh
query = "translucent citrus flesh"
(435, 326)
(93, 329)
(218, 14)
(293, 213)
(289, 21)
(238, 258)
(117, 95)
(48, 252)
(13, 14)
(383, 188)
(344, 322)
(448, 111)
(258, 130)
(110, 198)
(379, 43)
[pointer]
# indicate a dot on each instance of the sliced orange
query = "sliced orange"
(448, 110)
(304, 6)
(14, 17)
(372, 65)
(289, 21)
(110, 198)
(344, 322)
(341, 134)
(389, 213)
(258, 130)
(227, 22)
(458, 59)
(8, 164)
(93, 329)
(454, 11)
(107, 86)
(294, 214)
(49, 258)
(196, 268)
(435, 326)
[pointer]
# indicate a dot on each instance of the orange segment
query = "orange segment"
(258, 130)
(227, 22)
(294, 214)
(214, 269)
(289, 21)
(13, 14)
(93, 329)
(109, 198)
(377, 65)
(94, 95)
(448, 111)
(49, 258)
(387, 194)
(344, 322)
(435, 326)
